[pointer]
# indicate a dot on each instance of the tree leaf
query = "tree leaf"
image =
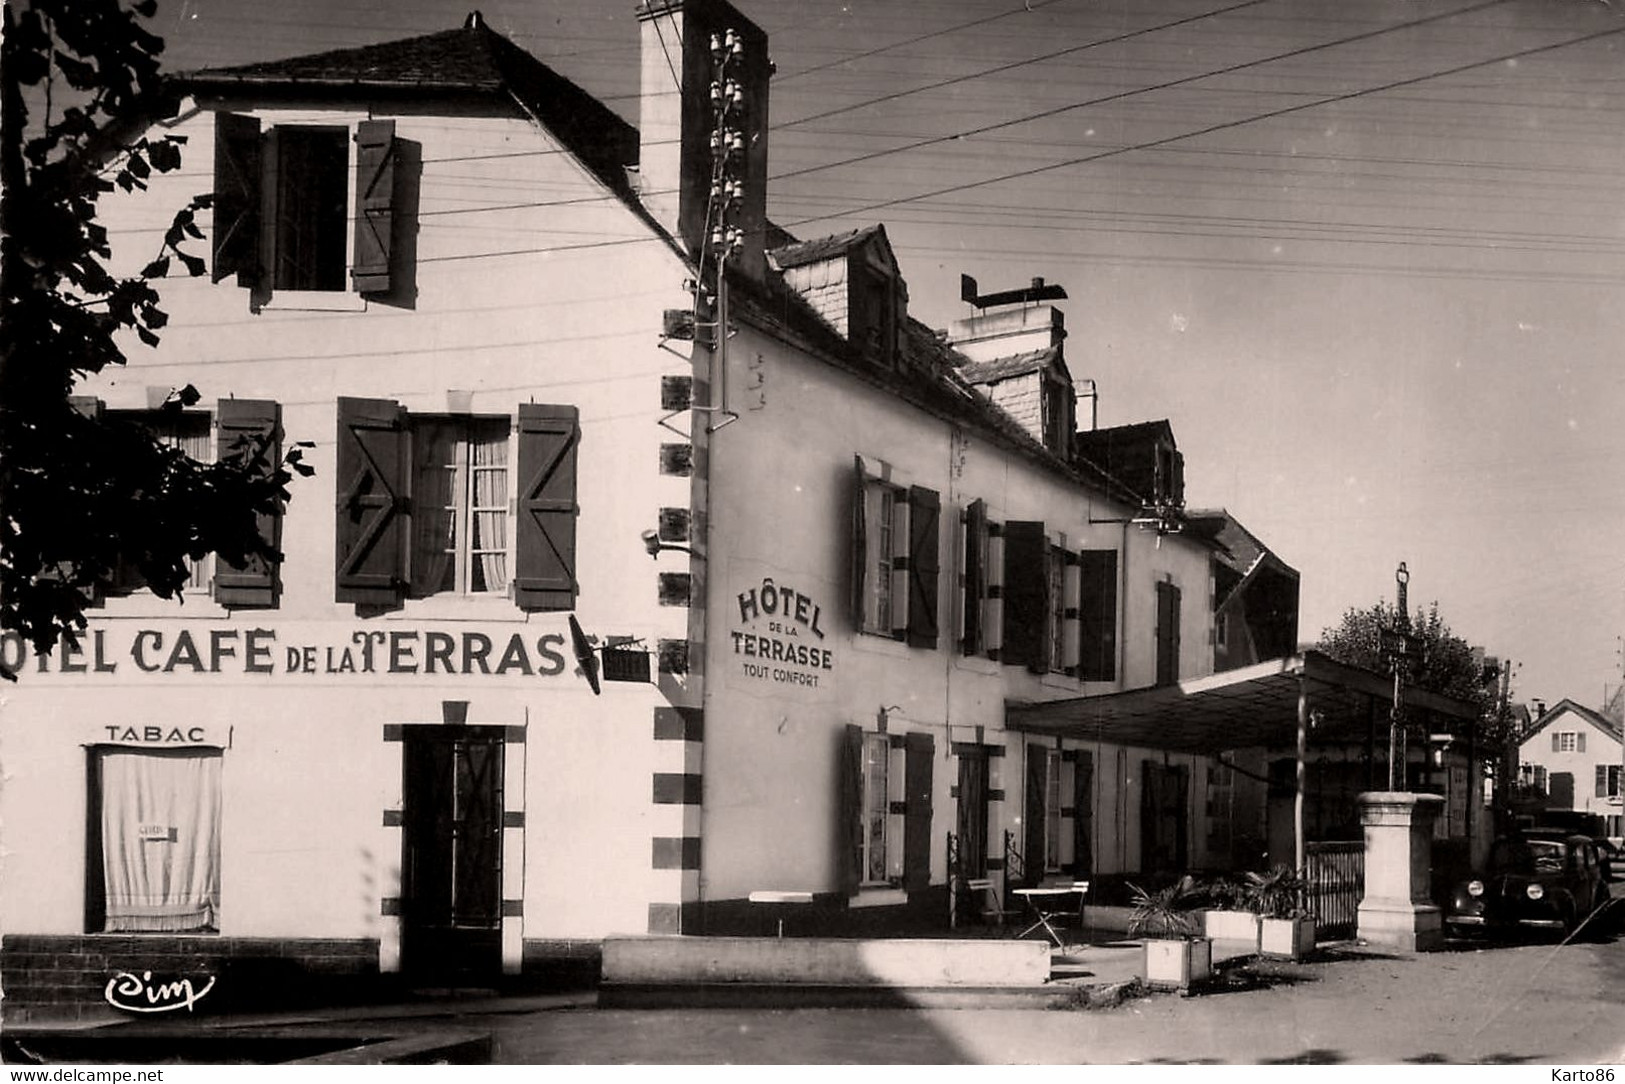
(157, 269)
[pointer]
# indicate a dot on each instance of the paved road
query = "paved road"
(1550, 1004)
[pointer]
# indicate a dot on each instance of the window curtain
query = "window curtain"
(434, 538)
(161, 840)
(490, 519)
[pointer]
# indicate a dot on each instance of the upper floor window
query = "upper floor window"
(1058, 600)
(1168, 615)
(307, 242)
(246, 428)
(460, 474)
(282, 205)
(1568, 741)
(895, 561)
(424, 505)
(187, 432)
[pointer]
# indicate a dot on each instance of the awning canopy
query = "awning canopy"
(1242, 709)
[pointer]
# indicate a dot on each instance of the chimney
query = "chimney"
(699, 58)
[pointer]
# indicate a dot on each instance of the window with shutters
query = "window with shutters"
(425, 505)
(188, 433)
(307, 227)
(1097, 615)
(1052, 811)
(1608, 780)
(284, 204)
(876, 808)
(1168, 615)
(1567, 741)
(895, 558)
(1055, 635)
(460, 505)
(881, 517)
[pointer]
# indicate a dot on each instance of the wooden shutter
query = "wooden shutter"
(1555, 742)
(849, 810)
(860, 544)
(918, 758)
(373, 487)
(1167, 634)
(975, 583)
(250, 428)
(1602, 781)
(924, 564)
(1026, 595)
(1097, 614)
(236, 197)
(1083, 815)
(1032, 858)
(545, 542)
(374, 205)
(1580, 742)
(1071, 601)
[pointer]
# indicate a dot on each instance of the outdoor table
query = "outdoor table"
(779, 899)
(1043, 902)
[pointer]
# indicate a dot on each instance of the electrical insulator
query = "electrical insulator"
(726, 47)
(727, 95)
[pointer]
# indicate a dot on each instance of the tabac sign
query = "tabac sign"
(121, 650)
(780, 638)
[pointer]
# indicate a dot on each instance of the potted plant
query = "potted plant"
(1174, 955)
(1227, 916)
(1280, 899)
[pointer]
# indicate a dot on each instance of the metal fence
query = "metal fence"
(1336, 883)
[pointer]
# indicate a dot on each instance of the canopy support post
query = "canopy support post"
(1303, 751)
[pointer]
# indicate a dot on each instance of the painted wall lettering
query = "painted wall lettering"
(132, 994)
(189, 651)
(777, 648)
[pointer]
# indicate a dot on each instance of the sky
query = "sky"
(1366, 256)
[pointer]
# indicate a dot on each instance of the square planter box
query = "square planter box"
(1177, 965)
(1240, 927)
(1292, 938)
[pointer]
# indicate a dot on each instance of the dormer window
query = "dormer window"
(1170, 476)
(875, 308)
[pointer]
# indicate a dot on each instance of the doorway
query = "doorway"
(971, 823)
(451, 853)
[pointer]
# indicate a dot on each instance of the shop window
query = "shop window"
(154, 862)
(455, 535)
(281, 205)
(895, 558)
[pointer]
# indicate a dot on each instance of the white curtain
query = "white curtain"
(161, 839)
(491, 511)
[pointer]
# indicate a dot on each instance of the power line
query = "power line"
(1210, 129)
(1020, 64)
(1031, 6)
(1123, 95)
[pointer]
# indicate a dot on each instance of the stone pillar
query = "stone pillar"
(1397, 911)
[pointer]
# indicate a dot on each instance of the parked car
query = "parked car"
(1539, 879)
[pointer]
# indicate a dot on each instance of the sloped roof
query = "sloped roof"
(473, 60)
(995, 369)
(1595, 718)
(799, 253)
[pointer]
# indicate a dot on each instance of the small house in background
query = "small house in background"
(1571, 759)
(1255, 593)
